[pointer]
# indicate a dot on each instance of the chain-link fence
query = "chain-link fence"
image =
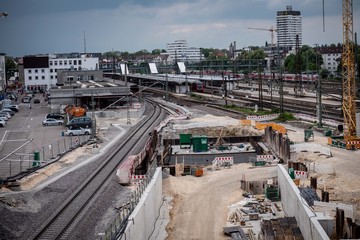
(22, 158)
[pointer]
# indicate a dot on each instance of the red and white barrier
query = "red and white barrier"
(300, 174)
(264, 157)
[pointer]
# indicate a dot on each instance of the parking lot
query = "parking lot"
(24, 136)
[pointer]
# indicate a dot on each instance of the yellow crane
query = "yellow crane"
(272, 30)
(348, 76)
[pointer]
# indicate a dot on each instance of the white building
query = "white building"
(331, 58)
(40, 72)
(288, 25)
(180, 52)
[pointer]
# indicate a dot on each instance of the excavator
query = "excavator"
(75, 111)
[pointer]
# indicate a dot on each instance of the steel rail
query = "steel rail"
(61, 222)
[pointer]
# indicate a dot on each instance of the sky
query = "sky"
(59, 26)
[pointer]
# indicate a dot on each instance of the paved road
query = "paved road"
(26, 125)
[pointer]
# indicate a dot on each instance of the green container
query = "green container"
(185, 139)
(259, 163)
(200, 143)
(36, 162)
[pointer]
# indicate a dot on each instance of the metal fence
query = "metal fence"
(23, 158)
(118, 225)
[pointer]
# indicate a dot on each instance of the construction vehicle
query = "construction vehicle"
(75, 111)
(350, 140)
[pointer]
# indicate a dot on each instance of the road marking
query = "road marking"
(2, 140)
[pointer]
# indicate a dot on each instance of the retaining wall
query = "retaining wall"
(295, 206)
(142, 220)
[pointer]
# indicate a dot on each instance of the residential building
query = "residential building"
(288, 25)
(180, 52)
(40, 72)
(331, 58)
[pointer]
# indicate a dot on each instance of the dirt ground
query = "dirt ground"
(200, 205)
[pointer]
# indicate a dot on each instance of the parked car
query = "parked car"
(4, 114)
(14, 109)
(36, 100)
(78, 131)
(6, 110)
(4, 118)
(52, 121)
(26, 99)
(2, 123)
(55, 115)
(79, 122)
(15, 106)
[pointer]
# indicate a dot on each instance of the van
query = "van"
(79, 122)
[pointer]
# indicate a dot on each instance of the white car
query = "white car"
(78, 131)
(5, 115)
(2, 123)
(4, 118)
(52, 121)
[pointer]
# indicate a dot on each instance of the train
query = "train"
(286, 76)
(197, 87)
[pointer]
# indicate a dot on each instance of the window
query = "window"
(70, 62)
(60, 62)
(51, 63)
(74, 62)
(36, 77)
(36, 71)
(29, 71)
(43, 77)
(30, 78)
(51, 77)
(42, 70)
(65, 62)
(55, 63)
(79, 62)
(51, 70)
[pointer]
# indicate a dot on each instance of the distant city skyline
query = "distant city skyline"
(46, 27)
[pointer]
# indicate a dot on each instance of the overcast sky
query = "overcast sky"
(58, 26)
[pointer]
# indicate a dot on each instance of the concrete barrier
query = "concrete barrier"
(310, 223)
(312, 147)
(142, 220)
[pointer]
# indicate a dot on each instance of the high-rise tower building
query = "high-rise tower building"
(288, 24)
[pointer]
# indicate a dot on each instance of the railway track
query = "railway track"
(63, 220)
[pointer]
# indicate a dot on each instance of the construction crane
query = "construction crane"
(348, 77)
(272, 30)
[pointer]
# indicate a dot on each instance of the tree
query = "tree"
(310, 60)
(10, 63)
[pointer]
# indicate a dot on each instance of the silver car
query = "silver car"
(52, 121)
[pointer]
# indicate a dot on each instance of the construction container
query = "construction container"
(200, 143)
(185, 139)
(272, 193)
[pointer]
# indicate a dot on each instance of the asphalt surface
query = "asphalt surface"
(25, 133)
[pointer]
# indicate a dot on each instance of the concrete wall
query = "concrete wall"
(142, 221)
(295, 205)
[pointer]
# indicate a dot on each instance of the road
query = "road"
(201, 204)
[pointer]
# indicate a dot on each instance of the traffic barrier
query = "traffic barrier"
(264, 157)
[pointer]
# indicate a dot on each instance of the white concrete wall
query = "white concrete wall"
(295, 205)
(142, 221)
